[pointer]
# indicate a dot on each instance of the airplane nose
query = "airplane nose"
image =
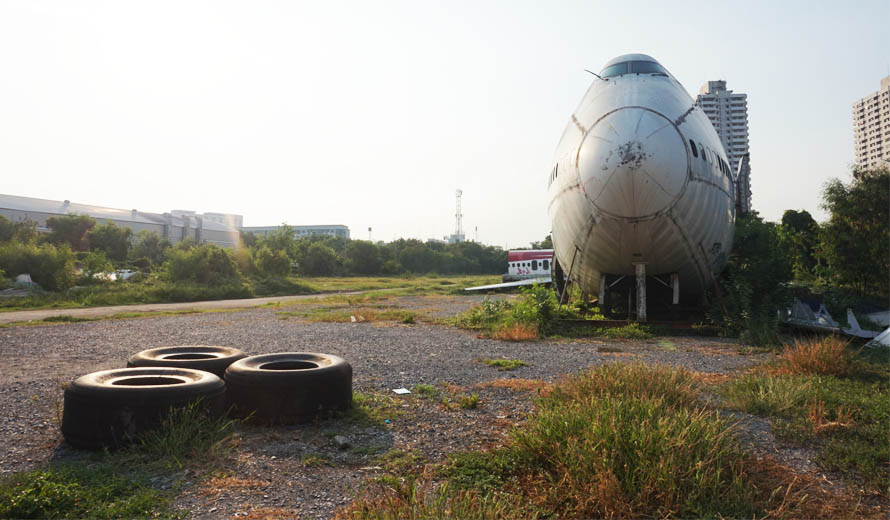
(633, 163)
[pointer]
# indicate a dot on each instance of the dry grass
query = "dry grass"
(827, 355)
(801, 496)
(517, 332)
(823, 420)
(517, 385)
(217, 485)
(271, 513)
(707, 378)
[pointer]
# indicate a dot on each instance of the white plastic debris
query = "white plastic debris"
(401, 391)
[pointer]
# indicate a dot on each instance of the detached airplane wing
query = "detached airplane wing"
(529, 281)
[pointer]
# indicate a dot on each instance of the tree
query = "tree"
(281, 239)
(754, 283)
(547, 243)
(272, 263)
(24, 232)
(855, 238)
(71, 230)
(799, 235)
(363, 257)
(320, 260)
(206, 264)
(150, 245)
(112, 240)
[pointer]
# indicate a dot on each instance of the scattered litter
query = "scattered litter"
(386, 421)
(501, 416)
(401, 391)
(352, 318)
(370, 468)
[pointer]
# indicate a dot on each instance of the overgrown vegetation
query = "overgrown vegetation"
(844, 262)
(79, 252)
(528, 317)
(822, 395)
(620, 441)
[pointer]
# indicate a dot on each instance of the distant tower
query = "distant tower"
(458, 235)
(728, 113)
(871, 128)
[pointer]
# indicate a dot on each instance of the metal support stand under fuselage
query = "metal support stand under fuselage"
(641, 291)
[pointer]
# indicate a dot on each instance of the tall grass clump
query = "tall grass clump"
(630, 441)
(619, 441)
(765, 394)
(187, 434)
(827, 355)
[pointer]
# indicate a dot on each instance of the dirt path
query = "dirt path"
(96, 312)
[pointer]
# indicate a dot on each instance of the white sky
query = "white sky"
(373, 113)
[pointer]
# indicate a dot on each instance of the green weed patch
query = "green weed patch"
(81, 491)
(847, 420)
(504, 365)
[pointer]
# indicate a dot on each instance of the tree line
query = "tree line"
(843, 261)
(77, 249)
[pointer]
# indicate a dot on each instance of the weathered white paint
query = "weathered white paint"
(627, 188)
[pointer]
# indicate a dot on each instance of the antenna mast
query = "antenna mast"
(458, 218)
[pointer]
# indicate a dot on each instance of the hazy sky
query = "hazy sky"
(371, 114)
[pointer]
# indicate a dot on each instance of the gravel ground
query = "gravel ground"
(298, 470)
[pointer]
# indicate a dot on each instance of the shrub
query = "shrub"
(50, 266)
(206, 264)
(272, 263)
(93, 263)
(485, 315)
(536, 307)
(826, 356)
(753, 286)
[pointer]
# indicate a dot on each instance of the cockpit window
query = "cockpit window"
(633, 67)
(645, 67)
(614, 70)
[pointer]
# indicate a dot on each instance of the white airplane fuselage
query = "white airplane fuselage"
(640, 177)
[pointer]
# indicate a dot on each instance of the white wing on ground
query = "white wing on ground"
(531, 281)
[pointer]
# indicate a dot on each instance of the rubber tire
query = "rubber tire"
(288, 396)
(159, 357)
(99, 413)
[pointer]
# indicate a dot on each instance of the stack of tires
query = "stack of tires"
(112, 407)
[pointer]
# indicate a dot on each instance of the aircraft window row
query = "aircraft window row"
(545, 264)
(554, 173)
(712, 158)
(694, 151)
(633, 67)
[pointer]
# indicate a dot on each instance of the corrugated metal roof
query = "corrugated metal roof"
(57, 207)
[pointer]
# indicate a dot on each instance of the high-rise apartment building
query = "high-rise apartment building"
(871, 128)
(728, 113)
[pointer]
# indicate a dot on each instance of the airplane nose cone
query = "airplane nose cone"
(633, 163)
